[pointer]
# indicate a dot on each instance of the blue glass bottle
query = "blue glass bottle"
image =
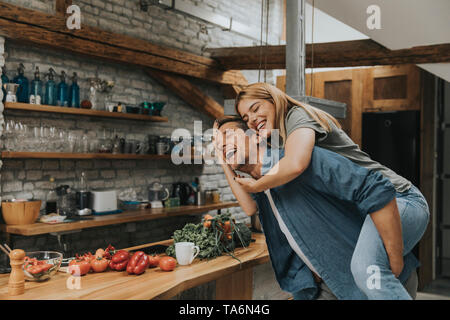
(63, 93)
(50, 97)
(36, 88)
(74, 92)
(5, 79)
(23, 89)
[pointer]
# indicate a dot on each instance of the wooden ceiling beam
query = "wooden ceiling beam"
(332, 54)
(42, 29)
(188, 92)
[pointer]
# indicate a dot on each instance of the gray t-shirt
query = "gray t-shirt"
(338, 141)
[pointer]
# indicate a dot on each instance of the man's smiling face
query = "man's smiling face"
(235, 145)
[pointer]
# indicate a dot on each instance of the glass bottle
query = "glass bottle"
(74, 92)
(50, 89)
(36, 88)
(23, 89)
(5, 79)
(63, 96)
(51, 199)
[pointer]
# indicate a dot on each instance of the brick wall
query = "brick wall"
(30, 178)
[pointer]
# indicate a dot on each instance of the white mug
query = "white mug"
(184, 251)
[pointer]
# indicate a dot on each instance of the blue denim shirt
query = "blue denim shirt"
(324, 209)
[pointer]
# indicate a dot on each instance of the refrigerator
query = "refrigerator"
(392, 138)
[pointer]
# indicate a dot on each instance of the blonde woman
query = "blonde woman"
(386, 235)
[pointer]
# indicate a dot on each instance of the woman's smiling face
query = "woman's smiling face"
(259, 114)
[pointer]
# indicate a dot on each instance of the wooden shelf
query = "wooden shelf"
(124, 217)
(83, 112)
(64, 155)
(85, 156)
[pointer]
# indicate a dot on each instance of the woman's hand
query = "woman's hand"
(248, 184)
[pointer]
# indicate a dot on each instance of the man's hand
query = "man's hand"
(216, 142)
(248, 184)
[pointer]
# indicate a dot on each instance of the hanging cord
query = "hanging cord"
(267, 40)
(312, 51)
(261, 41)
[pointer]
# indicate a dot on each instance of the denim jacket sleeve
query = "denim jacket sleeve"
(339, 177)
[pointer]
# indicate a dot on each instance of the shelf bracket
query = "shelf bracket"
(60, 237)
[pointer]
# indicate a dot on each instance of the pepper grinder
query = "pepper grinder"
(16, 284)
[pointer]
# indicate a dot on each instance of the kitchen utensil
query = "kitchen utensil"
(130, 205)
(162, 148)
(133, 146)
(156, 194)
(63, 202)
(104, 202)
(19, 212)
(158, 106)
(181, 190)
(4, 250)
(145, 108)
(133, 109)
(117, 145)
(52, 257)
(152, 140)
(200, 198)
(186, 252)
(82, 197)
(172, 202)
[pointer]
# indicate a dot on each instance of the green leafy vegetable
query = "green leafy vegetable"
(215, 240)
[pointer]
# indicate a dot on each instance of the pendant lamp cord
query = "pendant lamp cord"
(312, 50)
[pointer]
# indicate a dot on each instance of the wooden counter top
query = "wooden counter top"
(153, 284)
(124, 217)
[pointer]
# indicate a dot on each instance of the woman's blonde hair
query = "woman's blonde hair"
(283, 103)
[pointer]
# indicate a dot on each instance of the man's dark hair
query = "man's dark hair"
(238, 120)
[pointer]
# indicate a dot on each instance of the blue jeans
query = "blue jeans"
(370, 254)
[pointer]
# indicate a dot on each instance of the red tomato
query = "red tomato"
(167, 263)
(79, 267)
(99, 264)
(34, 269)
(99, 253)
(154, 260)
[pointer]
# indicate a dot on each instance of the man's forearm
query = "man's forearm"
(245, 200)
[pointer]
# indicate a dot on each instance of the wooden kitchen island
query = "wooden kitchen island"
(233, 280)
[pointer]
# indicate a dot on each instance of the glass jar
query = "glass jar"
(215, 196)
(209, 197)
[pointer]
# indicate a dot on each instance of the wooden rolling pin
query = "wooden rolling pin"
(16, 284)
